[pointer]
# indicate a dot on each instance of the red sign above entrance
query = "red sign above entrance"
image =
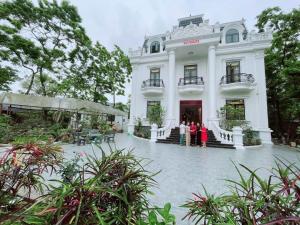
(191, 42)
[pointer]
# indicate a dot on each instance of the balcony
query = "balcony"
(237, 83)
(153, 87)
(190, 85)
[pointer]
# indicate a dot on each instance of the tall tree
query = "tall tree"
(282, 67)
(100, 73)
(40, 39)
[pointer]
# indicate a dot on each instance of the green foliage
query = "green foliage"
(252, 200)
(156, 115)
(142, 131)
(21, 168)
(7, 77)
(41, 39)
(99, 73)
(230, 117)
(282, 67)
(251, 137)
(30, 139)
(107, 190)
(166, 218)
(104, 127)
(70, 169)
(121, 106)
(49, 45)
(5, 128)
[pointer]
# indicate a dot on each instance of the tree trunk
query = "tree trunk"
(42, 82)
(30, 84)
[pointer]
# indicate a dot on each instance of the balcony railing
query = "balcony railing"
(237, 78)
(153, 83)
(190, 81)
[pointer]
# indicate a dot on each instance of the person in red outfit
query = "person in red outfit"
(193, 129)
(203, 135)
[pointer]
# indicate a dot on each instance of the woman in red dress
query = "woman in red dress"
(203, 136)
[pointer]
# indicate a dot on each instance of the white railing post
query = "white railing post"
(238, 137)
(153, 133)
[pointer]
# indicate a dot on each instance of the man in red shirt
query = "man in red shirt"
(193, 129)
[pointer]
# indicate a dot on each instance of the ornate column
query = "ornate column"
(133, 105)
(211, 85)
(262, 109)
(171, 88)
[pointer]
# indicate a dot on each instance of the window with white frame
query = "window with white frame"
(155, 47)
(232, 36)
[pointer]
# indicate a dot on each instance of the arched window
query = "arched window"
(232, 36)
(154, 47)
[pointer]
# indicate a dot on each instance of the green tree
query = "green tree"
(121, 106)
(282, 67)
(7, 77)
(41, 40)
(100, 73)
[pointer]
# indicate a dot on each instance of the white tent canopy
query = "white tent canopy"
(58, 104)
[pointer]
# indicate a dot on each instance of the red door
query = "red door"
(191, 110)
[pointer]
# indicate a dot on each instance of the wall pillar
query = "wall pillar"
(171, 89)
(212, 109)
(262, 113)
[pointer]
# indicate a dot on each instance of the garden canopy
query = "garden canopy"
(22, 101)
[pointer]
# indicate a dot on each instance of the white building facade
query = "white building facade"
(196, 69)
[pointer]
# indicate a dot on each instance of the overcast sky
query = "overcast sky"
(126, 22)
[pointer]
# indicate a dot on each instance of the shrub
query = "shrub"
(230, 117)
(252, 200)
(21, 168)
(143, 131)
(107, 190)
(156, 115)
(5, 129)
(251, 137)
(158, 216)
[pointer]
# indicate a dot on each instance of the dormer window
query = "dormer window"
(155, 47)
(232, 36)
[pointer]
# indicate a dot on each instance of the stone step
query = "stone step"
(212, 141)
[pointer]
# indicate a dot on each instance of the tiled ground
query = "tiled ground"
(184, 170)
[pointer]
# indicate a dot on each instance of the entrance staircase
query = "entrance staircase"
(212, 141)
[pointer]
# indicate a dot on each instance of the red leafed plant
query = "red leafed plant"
(21, 170)
(252, 200)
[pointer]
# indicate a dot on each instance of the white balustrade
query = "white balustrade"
(164, 132)
(252, 36)
(135, 53)
(225, 136)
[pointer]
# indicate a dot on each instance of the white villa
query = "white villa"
(195, 69)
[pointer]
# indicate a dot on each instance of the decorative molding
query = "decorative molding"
(191, 30)
(155, 66)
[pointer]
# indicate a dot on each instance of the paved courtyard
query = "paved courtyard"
(184, 170)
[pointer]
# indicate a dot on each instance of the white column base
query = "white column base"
(265, 136)
(153, 133)
(238, 137)
(130, 127)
